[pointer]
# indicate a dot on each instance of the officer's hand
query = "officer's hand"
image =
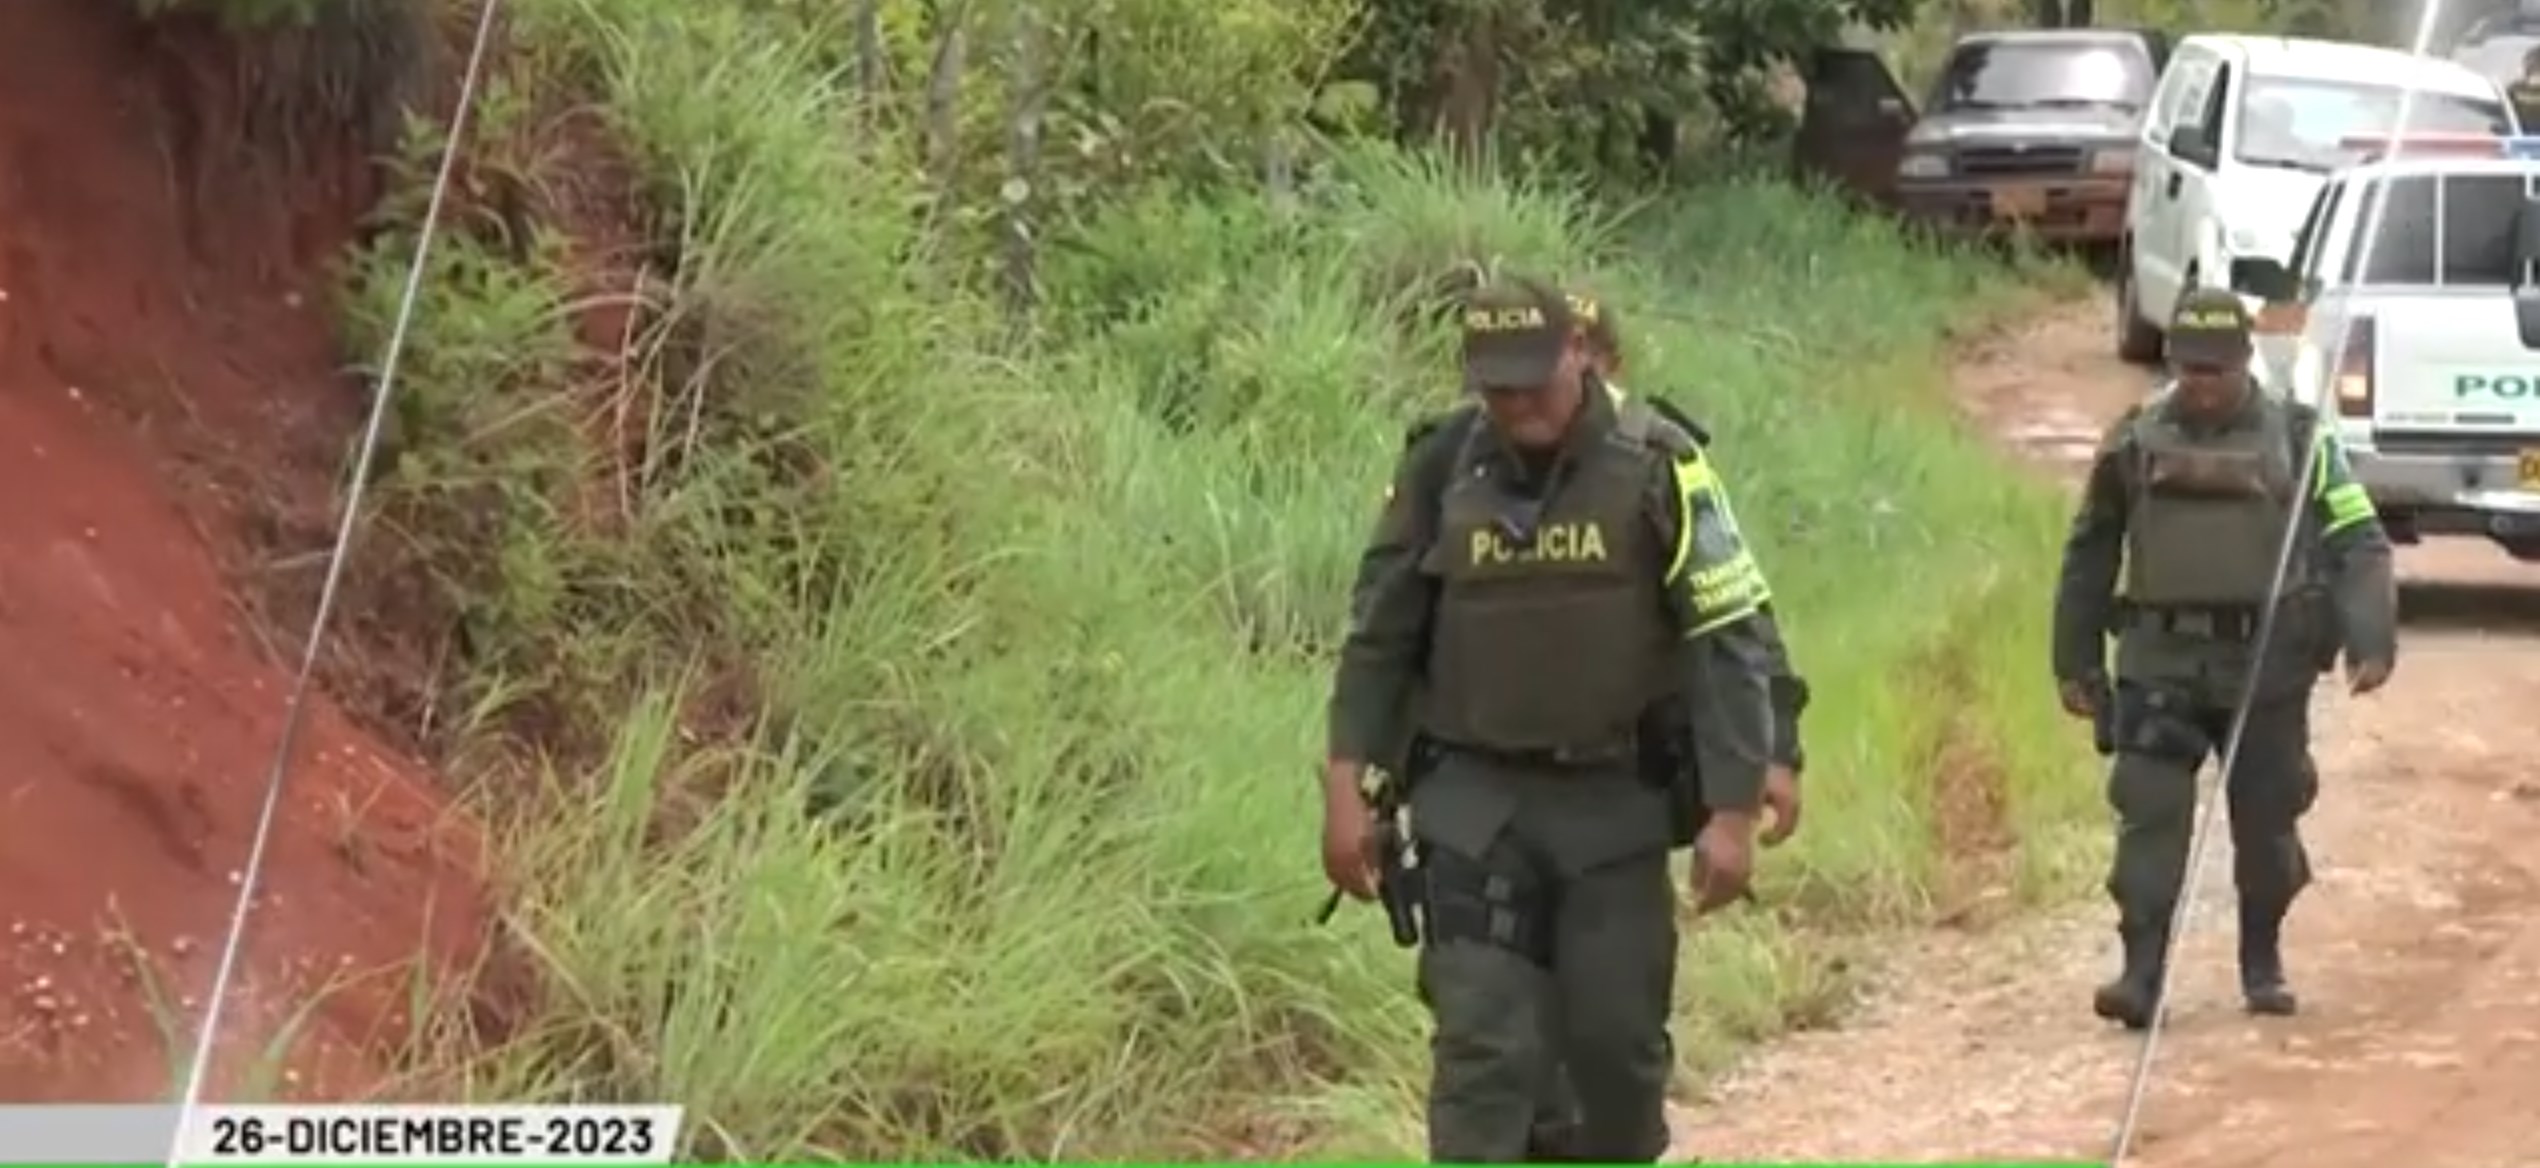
(1349, 846)
(1724, 860)
(1781, 797)
(2363, 677)
(2080, 696)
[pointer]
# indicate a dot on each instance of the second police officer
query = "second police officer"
(2188, 497)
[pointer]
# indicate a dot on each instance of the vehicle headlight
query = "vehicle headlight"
(1923, 164)
(2112, 162)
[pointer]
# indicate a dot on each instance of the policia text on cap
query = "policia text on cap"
(2189, 496)
(1575, 570)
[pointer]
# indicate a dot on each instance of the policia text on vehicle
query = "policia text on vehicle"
(2189, 494)
(1527, 669)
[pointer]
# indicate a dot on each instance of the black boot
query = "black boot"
(2262, 985)
(2136, 992)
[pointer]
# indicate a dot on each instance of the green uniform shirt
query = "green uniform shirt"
(1715, 595)
(2341, 530)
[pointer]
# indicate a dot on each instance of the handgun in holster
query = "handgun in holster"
(1398, 878)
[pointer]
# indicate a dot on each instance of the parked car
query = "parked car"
(2242, 133)
(2028, 130)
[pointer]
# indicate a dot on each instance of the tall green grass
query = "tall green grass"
(1021, 858)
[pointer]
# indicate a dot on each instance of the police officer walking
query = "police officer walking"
(2190, 492)
(2524, 92)
(1553, 1137)
(1577, 562)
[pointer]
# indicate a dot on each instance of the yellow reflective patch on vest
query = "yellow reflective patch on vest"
(1526, 318)
(1726, 592)
(1721, 579)
(1556, 543)
(2347, 506)
(2333, 485)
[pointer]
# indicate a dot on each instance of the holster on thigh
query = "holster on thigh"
(2159, 721)
(1503, 905)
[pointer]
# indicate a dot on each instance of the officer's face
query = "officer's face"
(1536, 417)
(2209, 387)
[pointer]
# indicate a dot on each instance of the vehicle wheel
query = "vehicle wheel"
(2137, 340)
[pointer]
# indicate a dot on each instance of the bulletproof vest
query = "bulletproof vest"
(1549, 633)
(2208, 509)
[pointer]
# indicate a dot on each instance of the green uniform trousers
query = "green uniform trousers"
(2152, 786)
(1548, 964)
(1554, 1135)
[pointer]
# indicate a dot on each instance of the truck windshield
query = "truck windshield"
(2450, 230)
(2303, 123)
(2009, 74)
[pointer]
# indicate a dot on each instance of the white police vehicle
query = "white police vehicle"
(2409, 313)
(2241, 132)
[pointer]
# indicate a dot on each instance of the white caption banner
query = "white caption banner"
(454, 1135)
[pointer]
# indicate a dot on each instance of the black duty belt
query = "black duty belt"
(2218, 623)
(1618, 753)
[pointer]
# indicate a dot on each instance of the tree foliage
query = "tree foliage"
(1598, 83)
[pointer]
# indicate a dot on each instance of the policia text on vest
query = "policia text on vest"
(1517, 617)
(2188, 500)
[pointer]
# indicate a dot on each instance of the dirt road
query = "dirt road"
(2417, 950)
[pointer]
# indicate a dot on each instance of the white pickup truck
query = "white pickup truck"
(2409, 313)
(2241, 132)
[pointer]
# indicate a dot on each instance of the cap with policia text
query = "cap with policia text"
(1597, 323)
(1515, 332)
(2211, 327)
